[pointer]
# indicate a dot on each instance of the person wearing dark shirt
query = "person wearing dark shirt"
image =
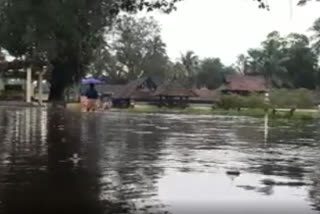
(91, 92)
(92, 96)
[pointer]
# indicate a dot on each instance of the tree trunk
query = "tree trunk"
(56, 92)
(61, 76)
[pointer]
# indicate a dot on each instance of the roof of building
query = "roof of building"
(130, 90)
(174, 89)
(205, 94)
(113, 90)
(244, 83)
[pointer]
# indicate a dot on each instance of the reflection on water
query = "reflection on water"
(266, 127)
(54, 161)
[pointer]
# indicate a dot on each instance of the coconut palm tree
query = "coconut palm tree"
(190, 61)
(242, 64)
(269, 61)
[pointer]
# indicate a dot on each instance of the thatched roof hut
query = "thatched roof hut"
(110, 90)
(174, 89)
(205, 95)
(174, 94)
(139, 89)
(244, 84)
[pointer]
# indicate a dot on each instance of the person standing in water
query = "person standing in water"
(92, 96)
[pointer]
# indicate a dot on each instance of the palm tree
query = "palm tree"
(242, 64)
(316, 36)
(274, 70)
(190, 61)
(155, 62)
(270, 61)
(274, 59)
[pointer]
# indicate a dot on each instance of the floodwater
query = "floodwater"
(57, 161)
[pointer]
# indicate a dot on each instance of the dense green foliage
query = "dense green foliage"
(279, 98)
(230, 102)
(63, 33)
(211, 73)
(284, 61)
(77, 36)
(137, 50)
(299, 98)
(133, 48)
(238, 102)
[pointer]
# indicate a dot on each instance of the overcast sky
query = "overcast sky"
(227, 28)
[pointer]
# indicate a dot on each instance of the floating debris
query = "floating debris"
(270, 182)
(75, 159)
(235, 173)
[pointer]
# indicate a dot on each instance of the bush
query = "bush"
(230, 102)
(237, 101)
(254, 101)
(279, 98)
(290, 98)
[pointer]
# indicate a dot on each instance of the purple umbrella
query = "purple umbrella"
(91, 80)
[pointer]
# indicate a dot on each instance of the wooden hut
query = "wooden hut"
(139, 90)
(174, 94)
(243, 84)
(205, 96)
(110, 90)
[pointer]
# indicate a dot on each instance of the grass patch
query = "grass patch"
(281, 114)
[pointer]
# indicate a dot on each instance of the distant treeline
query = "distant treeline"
(133, 47)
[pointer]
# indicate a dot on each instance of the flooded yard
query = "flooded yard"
(56, 161)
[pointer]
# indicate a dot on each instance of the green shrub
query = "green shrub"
(254, 101)
(292, 98)
(279, 98)
(230, 102)
(237, 101)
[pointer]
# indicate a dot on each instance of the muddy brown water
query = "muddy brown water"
(57, 161)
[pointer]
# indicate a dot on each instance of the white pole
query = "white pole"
(29, 82)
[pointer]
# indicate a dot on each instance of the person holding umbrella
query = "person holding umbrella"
(91, 94)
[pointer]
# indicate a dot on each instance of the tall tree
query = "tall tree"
(316, 36)
(242, 64)
(302, 62)
(177, 71)
(274, 58)
(190, 62)
(106, 64)
(285, 62)
(63, 33)
(132, 37)
(211, 73)
(269, 60)
(134, 48)
(156, 62)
